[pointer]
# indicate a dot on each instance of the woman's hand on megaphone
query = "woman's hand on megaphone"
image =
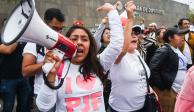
(53, 59)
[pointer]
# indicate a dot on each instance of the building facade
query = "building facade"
(162, 12)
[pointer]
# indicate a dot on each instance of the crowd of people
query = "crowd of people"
(109, 70)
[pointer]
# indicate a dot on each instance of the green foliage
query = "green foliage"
(190, 15)
(13, 1)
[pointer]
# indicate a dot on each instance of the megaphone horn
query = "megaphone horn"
(25, 25)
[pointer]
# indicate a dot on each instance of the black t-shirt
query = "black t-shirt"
(11, 66)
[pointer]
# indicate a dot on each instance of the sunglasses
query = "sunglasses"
(135, 33)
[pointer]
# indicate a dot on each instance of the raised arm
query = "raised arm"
(99, 31)
(130, 7)
(109, 55)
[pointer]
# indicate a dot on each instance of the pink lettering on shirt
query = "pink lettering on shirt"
(72, 103)
(68, 88)
(96, 100)
(93, 99)
(86, 104)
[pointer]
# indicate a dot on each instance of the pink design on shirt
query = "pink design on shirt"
(85, 84)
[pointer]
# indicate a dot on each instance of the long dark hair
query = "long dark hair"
(107, 28)
(91, 62)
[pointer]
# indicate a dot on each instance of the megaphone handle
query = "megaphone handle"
(48, 66)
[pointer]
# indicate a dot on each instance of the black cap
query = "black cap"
(174, 31)
(136, 28)
(177, 31)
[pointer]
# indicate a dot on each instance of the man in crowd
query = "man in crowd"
(33, 54)
(188, 47)
(12, 82)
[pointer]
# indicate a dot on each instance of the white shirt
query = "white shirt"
(128, 83)
(186, 50)
(182, 69)
(77, 95)
(31, 49)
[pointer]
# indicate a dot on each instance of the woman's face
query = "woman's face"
(106, 36)
(177, 41)
(133, 41)
(81, 39)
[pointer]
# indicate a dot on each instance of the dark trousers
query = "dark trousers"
(15, 87)
(106, 94)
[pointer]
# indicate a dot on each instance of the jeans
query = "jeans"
(15, 87)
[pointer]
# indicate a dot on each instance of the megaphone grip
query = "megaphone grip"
(48, 66)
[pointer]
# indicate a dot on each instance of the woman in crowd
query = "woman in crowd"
(82, 89)
(159, 37)
(168, 68)
(128, 77)
(105, 39)
(102, 37)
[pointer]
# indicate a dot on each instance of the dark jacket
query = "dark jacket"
(163, 67)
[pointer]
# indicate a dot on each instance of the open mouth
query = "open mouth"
(134, 41)
(80, 51)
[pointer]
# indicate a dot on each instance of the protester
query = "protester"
(102, 37)
(168, 68)
(188, 47)
(128, 77)
(105, 39)
(33, 54)
(12, 82)
(143, 42)
(159, 37)
(82, 89)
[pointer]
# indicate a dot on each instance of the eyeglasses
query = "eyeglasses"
(135, 33)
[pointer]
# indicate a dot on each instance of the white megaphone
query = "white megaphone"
(25, 25)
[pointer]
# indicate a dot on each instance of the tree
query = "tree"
(190, 15)
(13, 1)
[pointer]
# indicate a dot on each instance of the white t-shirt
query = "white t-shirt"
(128, 83)
(77, 95)
(31, 48)
(186, 50)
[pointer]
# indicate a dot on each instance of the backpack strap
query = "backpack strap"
(40, 49)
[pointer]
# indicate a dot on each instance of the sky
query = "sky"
(189, 2)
